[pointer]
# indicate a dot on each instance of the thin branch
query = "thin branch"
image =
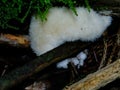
(104, 55)
(98, 79)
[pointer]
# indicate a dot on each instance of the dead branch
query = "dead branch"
(14, 40)
(30, 69)
(98, 79)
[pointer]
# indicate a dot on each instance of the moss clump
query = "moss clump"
(20, 9)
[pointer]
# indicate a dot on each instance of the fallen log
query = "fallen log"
(17, 76)
(98, 79)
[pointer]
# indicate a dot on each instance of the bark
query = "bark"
(14, 40)
(30, 69)
(98, 79)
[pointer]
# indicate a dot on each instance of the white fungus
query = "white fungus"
(63, 64)
(63, 25)
(82, 56)
(77, 61)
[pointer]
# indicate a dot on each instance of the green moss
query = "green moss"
(87, 5)
(20, 9)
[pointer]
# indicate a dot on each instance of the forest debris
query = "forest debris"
(118, 37)
(98, 79)
(18, 75)
(41, 85)
(14, 40)
(5, 67)
(104, 55)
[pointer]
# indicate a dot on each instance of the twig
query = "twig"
(95, 56)
(118, 37)
(3, 73)
(118, 42)
(73, 70)
(98, 79)
(104, 55)
(111, 55)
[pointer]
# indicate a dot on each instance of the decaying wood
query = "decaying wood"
(41, 85)
(30, 69)
(110, 5)
(14, 40)
(110, 11)
(98, 79)
(106, 2)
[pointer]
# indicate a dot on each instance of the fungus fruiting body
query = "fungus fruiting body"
(77, 61)
(63, 25)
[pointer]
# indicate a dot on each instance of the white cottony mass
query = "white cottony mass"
(77, 61)
(63, 25)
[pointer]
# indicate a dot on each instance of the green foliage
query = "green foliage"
(20, 9)
(87, 5)
(10, 10)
